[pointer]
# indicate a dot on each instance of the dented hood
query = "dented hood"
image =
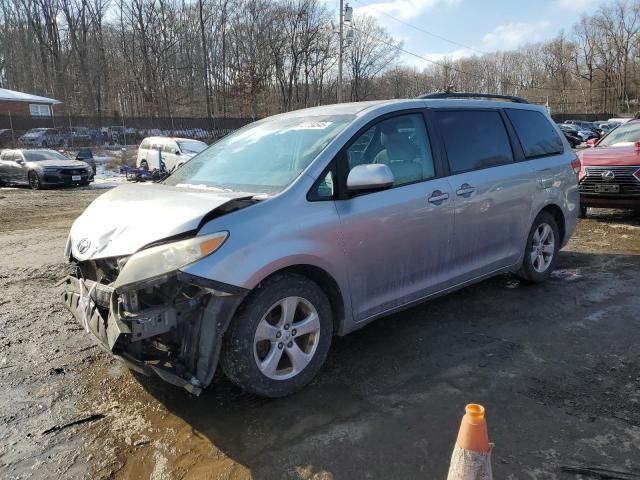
(129, 217)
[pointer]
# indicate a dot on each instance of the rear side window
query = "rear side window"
(474, 139)
(536, 134)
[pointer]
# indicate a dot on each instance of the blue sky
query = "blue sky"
(484, 25)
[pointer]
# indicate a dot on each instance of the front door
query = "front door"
(397, 241)
(492, 192)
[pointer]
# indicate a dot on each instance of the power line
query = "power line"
(462, 72)
(419, 29)
(453, 42)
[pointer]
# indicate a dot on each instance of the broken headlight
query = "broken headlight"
(158, 261)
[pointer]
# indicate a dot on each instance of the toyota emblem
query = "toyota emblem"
(83, 245)
(608, 175)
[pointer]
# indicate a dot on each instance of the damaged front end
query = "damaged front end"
(170, 324)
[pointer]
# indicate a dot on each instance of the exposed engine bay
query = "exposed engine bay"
(171, 326)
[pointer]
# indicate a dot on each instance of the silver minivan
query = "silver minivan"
(311, 224)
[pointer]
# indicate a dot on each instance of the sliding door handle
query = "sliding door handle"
(465, 190)
(437, 197)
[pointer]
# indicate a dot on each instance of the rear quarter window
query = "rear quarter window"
(537, 136)
(474, 139)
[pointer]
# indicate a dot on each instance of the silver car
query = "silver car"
(312, 224)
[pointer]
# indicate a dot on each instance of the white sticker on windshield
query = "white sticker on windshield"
(313, 125)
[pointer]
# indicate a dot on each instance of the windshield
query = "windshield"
(191, 146)
(36, 156)
(623, 135)
(263, 157)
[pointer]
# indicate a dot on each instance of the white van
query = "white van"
(174, 151)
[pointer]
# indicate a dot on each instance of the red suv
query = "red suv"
(610, 170)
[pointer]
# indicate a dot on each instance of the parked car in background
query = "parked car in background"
(584, 125)
(175, 152)
(582, 133)
(86, 155)
(610, 170)
(620, 120)
(606, 127)
(41, 168)
(571, 134)
(43, 137)
(314, 223)
(7, 137)
(77, 136)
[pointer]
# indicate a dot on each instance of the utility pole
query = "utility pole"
(346, 15)
(340, 51)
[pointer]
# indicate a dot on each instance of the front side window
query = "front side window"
(536, 134)
(263, 157)
(624, 135)
(170, 147)
(191, 146)
(474, 139)
(399, 142)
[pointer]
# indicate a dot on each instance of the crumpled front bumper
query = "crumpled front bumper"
(97, 309)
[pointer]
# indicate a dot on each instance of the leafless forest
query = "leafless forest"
(251, 58)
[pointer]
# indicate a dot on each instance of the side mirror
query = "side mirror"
(370, 176)
(592, 142)
(20, 161)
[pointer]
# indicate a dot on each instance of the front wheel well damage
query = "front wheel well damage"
(326, 283)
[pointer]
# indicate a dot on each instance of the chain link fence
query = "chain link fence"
(84, 130)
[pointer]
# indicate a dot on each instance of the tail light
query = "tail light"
(576, 165)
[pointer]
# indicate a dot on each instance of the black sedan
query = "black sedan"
(42, 168)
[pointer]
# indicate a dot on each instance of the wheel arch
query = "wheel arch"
(327, 284)
(558, 215)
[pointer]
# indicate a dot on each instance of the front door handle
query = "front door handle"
(437, 197)
(465, 190)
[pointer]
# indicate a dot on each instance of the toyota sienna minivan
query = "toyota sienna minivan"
(313, 223)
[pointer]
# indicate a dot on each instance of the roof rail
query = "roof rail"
(472, 95)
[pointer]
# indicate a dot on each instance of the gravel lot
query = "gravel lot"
(556, 365)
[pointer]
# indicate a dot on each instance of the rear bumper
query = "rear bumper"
(196, 327)
(608, 201)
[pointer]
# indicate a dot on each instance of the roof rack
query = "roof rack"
(472, 95)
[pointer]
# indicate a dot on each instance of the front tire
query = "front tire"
(541, 253)
(144, 165)
(279, 338)
(34, 181)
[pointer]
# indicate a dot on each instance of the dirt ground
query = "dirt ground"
(556, 365)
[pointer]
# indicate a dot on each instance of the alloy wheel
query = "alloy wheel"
(34, 181)
(542, 248)
(286, 338)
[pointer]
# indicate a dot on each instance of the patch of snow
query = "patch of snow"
(566, 274)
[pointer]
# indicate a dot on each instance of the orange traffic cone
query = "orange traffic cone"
(471, 458)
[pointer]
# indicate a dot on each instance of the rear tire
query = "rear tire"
(541, 252)
(34, 181)
(279, 338)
